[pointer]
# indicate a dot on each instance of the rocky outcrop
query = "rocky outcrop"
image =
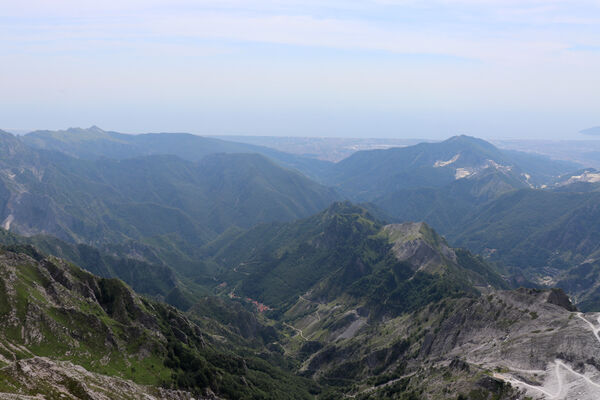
(418, 244)
(56, 319)
(40, 376)
(559, 297)
(509, 344)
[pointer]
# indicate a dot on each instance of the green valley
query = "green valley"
(257, 280)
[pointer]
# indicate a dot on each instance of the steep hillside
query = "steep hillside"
(501, 345)
(344, 251)
(248, 189)
(533, 228)
(156, 280)
(42, 376)
(549, 237)
(582, 283)
(92, 331)
(392, 311)
(542, 169)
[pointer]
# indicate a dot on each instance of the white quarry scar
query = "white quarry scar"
(559, 364)
(441, 163)
(8, 221)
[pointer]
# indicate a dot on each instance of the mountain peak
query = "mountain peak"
(9, 144)
(91, 129)
(461, 138)
(471, 140)
(419, 243)
(95, 128)
(344, 207)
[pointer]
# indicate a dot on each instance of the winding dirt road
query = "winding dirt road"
(560, 393)
(299, 331)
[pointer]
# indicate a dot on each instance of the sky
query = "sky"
(355, 68)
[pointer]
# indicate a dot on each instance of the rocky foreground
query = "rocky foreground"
(510, 344)
(65, 333)
(65, 380)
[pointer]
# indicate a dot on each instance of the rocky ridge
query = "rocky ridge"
(65, 330)
(65, 380)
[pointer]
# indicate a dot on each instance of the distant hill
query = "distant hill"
(440, 182)
(595, 131)
(156, 207)
(323, 148)
(584, 180)
(369, 175)
(93, 143)
(444, 207)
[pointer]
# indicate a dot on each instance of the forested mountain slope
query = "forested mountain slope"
(368, 175)
(151, 208)
(345, 251)
(392, 311)
(94, 143)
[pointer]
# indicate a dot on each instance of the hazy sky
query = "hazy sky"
(379, 68)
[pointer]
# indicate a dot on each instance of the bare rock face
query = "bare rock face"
(559, 297)
(418, 244)
(532, 339)
(55, 288)
(511, 344)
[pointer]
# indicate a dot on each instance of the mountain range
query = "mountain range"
(261, 274)
(156, 208)
(406, 316)
(94, 143)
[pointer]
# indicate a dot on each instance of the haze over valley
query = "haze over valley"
(304, 200)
